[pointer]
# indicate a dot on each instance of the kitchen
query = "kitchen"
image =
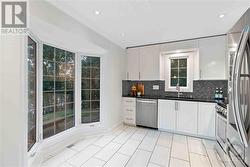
(105, 83)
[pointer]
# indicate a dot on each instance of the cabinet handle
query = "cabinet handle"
(127, 75)
(129, 119)
(128, 110)
(139, 75)
(129, 101)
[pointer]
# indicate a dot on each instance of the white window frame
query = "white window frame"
(191, 56)
(80, 56)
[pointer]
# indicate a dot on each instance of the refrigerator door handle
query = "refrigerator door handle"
(236, 86)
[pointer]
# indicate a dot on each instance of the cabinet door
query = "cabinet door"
(187, 117)
(206, 119)
(133, 59)
(166, 115)
(150, 62)
(212, 53)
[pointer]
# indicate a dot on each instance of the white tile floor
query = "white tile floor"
(137, 147)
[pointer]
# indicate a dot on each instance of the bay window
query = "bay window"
(58, 84)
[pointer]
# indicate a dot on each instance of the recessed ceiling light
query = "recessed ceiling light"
(221, 16)
(122, 34)
(97, 12)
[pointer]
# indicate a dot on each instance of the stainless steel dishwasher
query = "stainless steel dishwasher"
(147, 113)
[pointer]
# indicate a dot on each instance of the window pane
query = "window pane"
(48, 67)
(95, 116)
(48, 122)
(85, 106)
(85, 94)
(48, 52)
(70, 85)
(60, 83)
(85, 72)
(70, 57)
(95, 84)
(70, 109)
(70, 70)
(183, 73)
(31, 62)
(60, 69)
(183, 82)
(85, 61)
(32, 100)
(70, 96)
(48, 99)
(60, 55)
(95, 73)
(95, 105)
(86, 117)
(85, 83)
(95, 62)
(174, 73)
(60, 118)
(174, 63)
(32, 65)
(183, 63)
(174, 81)
(70, 122)
(60, 97)
(95, 95)
(48, 83)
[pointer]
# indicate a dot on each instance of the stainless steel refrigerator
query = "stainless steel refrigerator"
(238, 136)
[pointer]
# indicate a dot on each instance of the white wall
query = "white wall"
(13, 98)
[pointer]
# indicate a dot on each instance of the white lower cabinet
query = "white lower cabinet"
(166, 115)
(206, 119)
(194, 118)
(129, 110)
(187, 114)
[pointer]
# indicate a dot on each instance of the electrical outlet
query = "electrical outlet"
(156, 87)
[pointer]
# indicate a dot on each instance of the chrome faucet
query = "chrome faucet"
(178, 88)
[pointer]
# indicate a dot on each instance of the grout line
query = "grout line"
(155, 164)
(171, 147)
(93, 145)
(179, 159)
(188, 152)
(207, 154)
(136, 148)
(154, 148)
(121, 144)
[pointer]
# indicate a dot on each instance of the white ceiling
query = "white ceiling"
(153, 21)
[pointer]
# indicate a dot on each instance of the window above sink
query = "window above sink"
(180, 67)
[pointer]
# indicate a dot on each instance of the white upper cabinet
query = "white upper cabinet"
(143, 63)
(150, 62)
(209, 62)
(206, 119)
(212, 53)
(166, 115)
(133, 64)
(187, 117)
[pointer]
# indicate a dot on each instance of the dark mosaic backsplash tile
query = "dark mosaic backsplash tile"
(203, 89)
(148, 87)
(206, 88)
